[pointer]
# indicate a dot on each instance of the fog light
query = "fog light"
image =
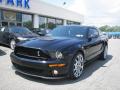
(55, 72)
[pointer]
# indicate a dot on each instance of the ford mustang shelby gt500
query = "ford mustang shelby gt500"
(61, 53)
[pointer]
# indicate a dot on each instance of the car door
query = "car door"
(94, 43)
(6, 36)
(1, 34)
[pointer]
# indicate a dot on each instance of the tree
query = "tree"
(107, 28)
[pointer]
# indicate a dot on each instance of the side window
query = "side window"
(93, 32)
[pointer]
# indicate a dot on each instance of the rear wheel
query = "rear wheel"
(77, 65)
(12, 44)
(104, 54)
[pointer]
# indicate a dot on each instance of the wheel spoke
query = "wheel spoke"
(12, 44)
(105, 52)
(78, 65)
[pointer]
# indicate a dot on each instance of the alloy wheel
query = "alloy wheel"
(12, 44)
(78, 66)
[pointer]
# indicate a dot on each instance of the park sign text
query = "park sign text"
(18, 3)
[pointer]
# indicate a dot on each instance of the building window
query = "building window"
(4, 24)
(27, 21)
(19, 17)
(77, 23)
(73, 23)
(19, 24)
(42, 22)
(68, 22)
(9, 16)
(12, 18)
(59, 22)
(51, 23)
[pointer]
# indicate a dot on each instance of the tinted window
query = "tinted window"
(66, 31)
(20, 30)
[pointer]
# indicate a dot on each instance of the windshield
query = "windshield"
(67, 31)
(20, 30)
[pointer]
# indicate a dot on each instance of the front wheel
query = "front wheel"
(77, 65)
(12, 44)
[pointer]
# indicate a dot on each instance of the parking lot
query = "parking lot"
(98, 75)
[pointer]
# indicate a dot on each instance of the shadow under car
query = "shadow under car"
(2, 53)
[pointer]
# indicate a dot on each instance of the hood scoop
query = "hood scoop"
(47, 38)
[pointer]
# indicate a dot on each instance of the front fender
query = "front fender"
(73, 50)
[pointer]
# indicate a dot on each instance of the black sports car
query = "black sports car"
(62, 53)
(12, 35)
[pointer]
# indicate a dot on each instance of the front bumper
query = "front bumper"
(39, 68)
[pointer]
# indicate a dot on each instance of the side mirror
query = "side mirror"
(41, 34)
(90, 37)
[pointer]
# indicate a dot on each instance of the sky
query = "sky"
(96, 12)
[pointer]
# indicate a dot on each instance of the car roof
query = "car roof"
(78, 26)
(14, 27)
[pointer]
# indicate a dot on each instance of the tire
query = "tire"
(104, 54)
(12, 44)
(76, 67)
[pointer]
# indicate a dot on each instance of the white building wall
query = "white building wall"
(40, 8)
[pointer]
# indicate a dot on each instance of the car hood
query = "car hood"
(31, 35)
(50, 43)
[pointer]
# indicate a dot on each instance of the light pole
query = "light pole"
(64, 3)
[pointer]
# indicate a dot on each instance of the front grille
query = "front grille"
(33, 71)
(25, 52)
(28, 70)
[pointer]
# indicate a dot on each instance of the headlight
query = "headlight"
(59, 55)
(22, 39)
(56, 55)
